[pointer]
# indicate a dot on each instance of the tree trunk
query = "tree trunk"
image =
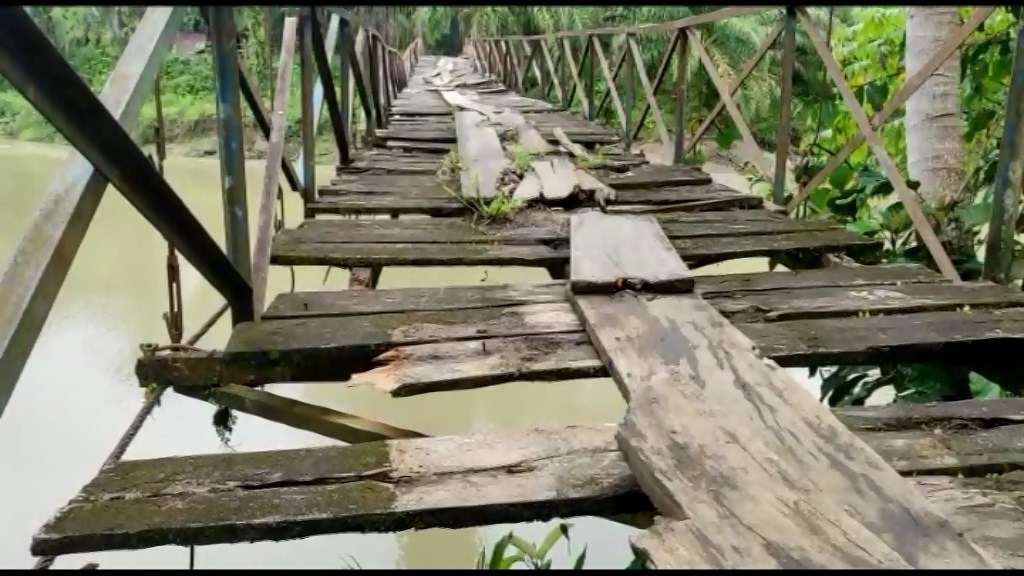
(934, 126)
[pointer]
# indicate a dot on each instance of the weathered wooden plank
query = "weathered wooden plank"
(387, 204)
(805, 303)
(716, 288)
(432, 230)
(440, 367)
(740, 427)
(469, 480)
(951, 452)
(708, 250)
(612, 253)
(694, 251)
(969, 414)
(987, 510)
(405, 254)
(529, 188)
(673, 194)
(557, 178)
(901, 338)
(347, 303)
(652, 176)
(356, 340)
(426, 185)
(373, 487)
(348, 428)
(481, 155)
(836, 276)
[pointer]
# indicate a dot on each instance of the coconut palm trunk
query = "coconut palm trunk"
(934, 125)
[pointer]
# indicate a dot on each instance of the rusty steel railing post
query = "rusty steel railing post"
(682, 86)
(230, 138)
(785, 107)
(306, 65)
(1009, 177)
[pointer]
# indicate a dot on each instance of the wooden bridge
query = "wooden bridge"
(467, 163)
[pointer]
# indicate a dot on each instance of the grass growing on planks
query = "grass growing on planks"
(483, 210)
(521, 157)
(511, 550)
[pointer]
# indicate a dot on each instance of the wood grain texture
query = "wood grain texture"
(711, 429)
(396, 485)
(557, 178)
(384, 486)
(616, 252)
(480, 153)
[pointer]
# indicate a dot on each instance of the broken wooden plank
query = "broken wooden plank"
(385, 486)
(529, 188)
(397, 485)
(480, 154)
(358, 339)
(835, 503)
(557, 178)
(612, 253)
(447, 366)
(348, 428)
(570, 146)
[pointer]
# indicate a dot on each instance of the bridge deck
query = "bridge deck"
(422, 340)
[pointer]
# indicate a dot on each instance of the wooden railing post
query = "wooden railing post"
(785, 107)
(682, 84)
(345, 78)
(1009, 176)
(591, 79)
(230, 142)
(630, 81)
(306, 65)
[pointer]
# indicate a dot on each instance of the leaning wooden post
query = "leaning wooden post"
(591, 80)
(345, 79)
(1009, 175)
(682, 69)
(230, 138)
(630, 81)
(306, 96)
(785, 107)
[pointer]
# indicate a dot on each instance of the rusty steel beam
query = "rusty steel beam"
(49, 83)
(35, 273)
(230, 140)
(1009, 177)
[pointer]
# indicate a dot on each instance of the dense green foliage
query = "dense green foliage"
(93, 37)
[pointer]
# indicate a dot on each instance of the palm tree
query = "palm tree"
(934, 126)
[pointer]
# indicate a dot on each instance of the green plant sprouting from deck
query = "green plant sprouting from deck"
(450, 166)
(521, 157)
